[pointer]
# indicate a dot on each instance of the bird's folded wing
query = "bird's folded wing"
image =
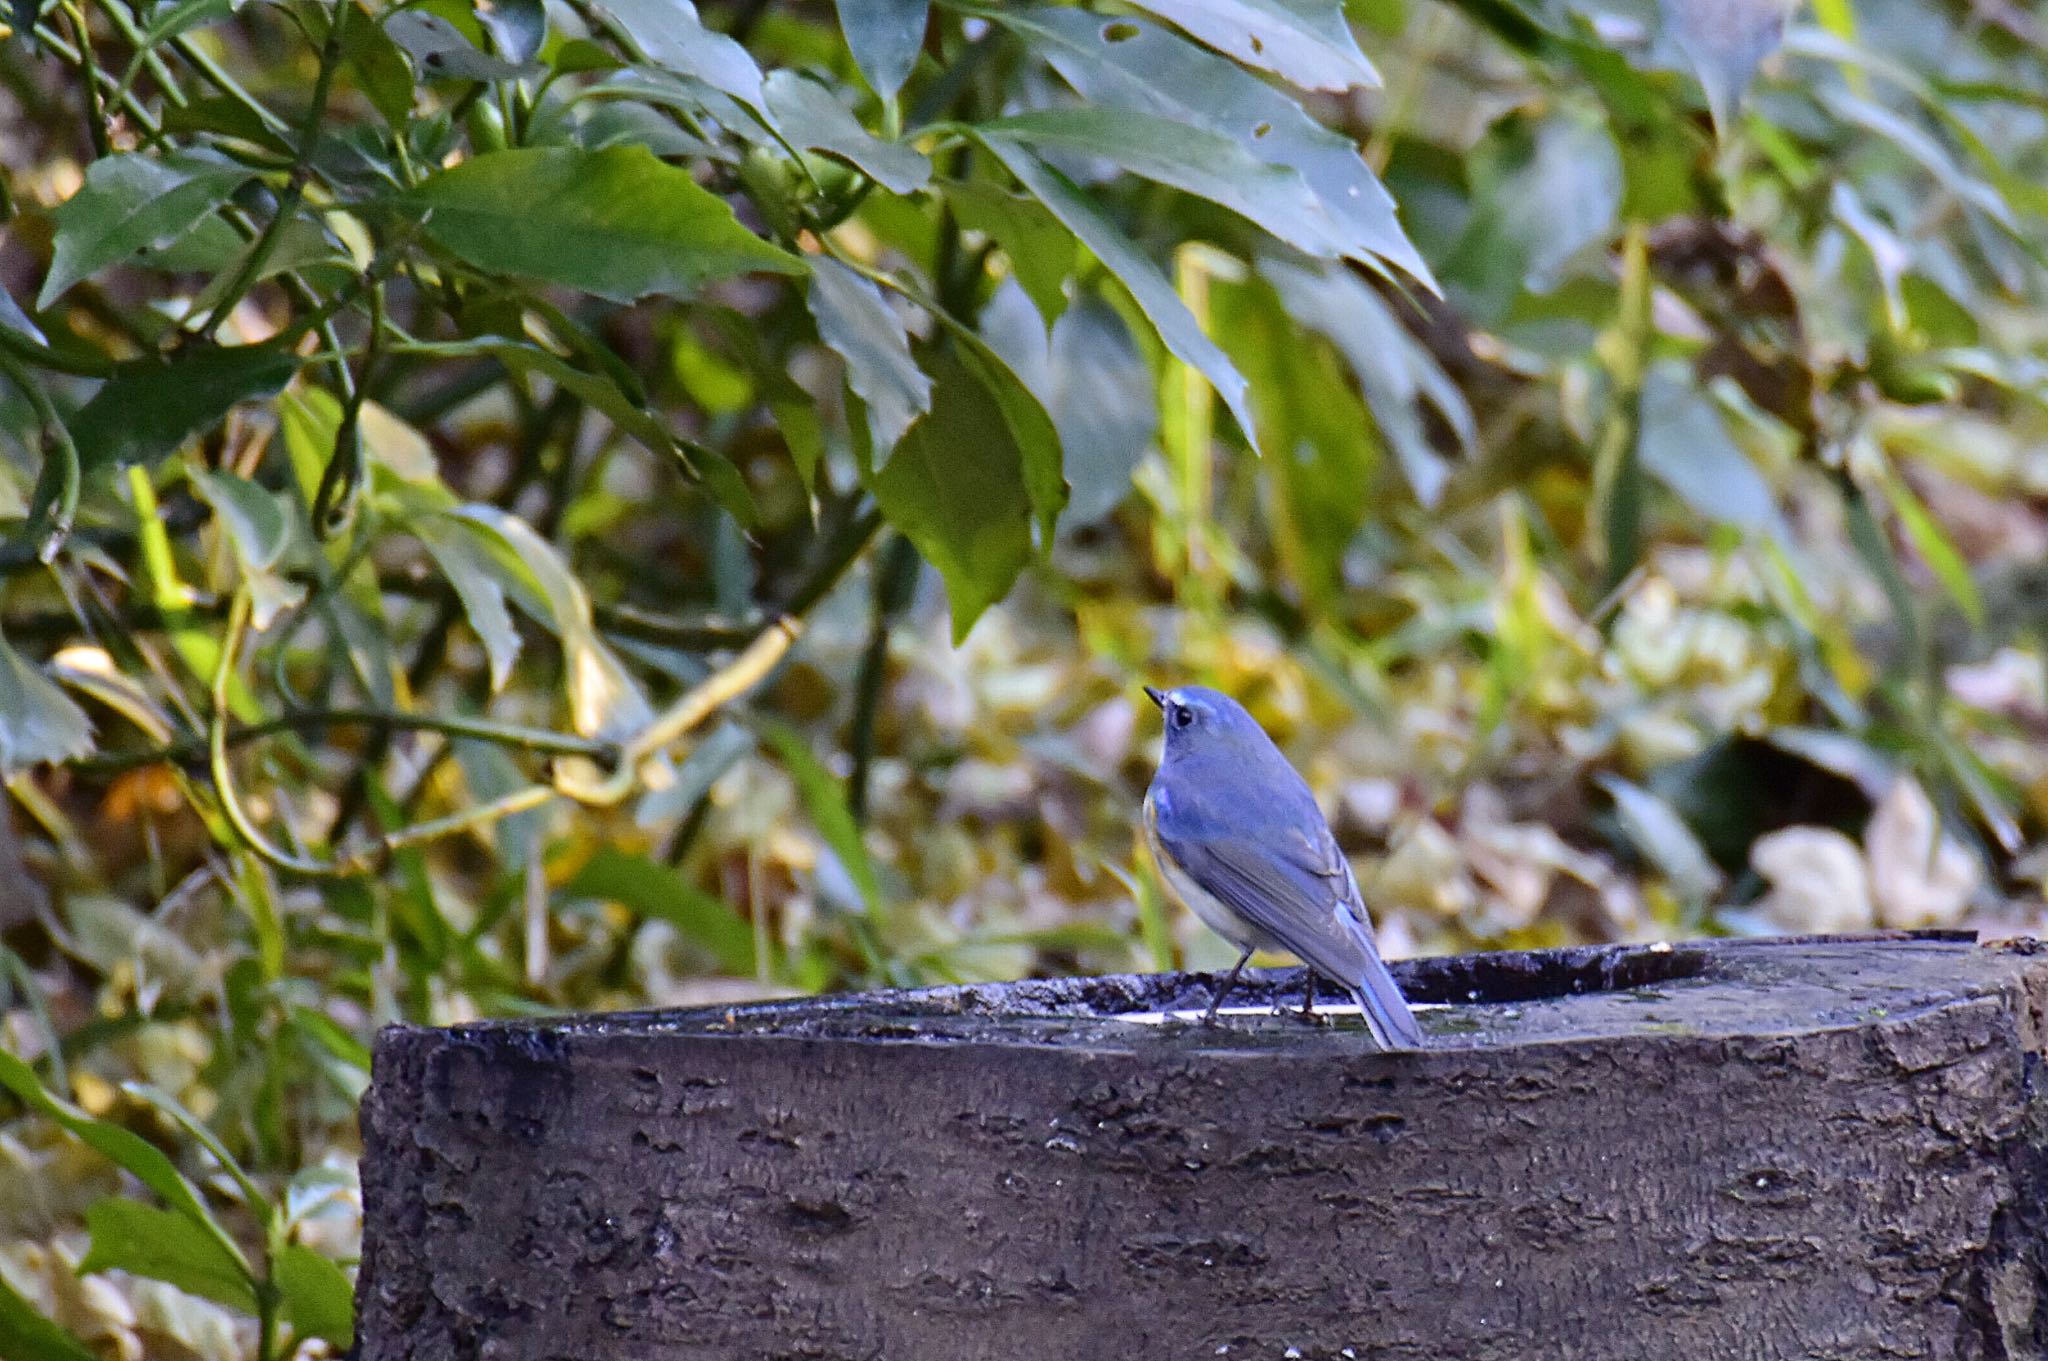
(1294, 893)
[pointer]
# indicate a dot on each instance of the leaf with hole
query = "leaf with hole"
(1304, 42)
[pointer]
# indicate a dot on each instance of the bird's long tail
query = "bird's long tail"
(1386, 1010)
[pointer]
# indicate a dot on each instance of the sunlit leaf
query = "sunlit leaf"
(617, 223)
(1306, 42)
(165, 1246)
(479, 585)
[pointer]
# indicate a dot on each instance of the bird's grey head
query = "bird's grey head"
(1200, 720)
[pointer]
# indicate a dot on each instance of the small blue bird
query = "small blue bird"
(1243, 845)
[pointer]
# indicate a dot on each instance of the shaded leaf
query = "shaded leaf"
(1305, 42)
(165, 1246)
(127, 204)
(1154, 294)
(1036, 438)
(152, 406)
(1724, 41)
(1397, 376)
(26, 1335)
(439, 51)
(1683, 443)
(617, 223)
(318, 1298)
(810, 116)
(1040, 250)
(825, 800)
(1656, 829)
(1129, 64)
(254, 518)
(473, 572)
(857, 322)
(648, 889)
(885, 37)
(38, 722)
(1206, 164)
(956, 489)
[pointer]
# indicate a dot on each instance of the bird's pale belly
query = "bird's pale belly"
(1195, 898)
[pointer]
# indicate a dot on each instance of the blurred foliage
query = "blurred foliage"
(512, 505)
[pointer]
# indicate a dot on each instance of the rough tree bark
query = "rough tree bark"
(1800, 1149)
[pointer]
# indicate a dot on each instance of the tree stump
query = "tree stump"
(1828, 1148)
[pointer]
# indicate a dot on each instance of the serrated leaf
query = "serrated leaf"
(811, 117)
(1178, 330)
(858, 324)
(473, 572)
(1305, 42)
(956, 489)
(151, 406)
(885, 37)
(318, 1298)
(616, 223)
(1129, 64)
(1194, 160)
(26, 1335)
(1395, 374)
(824, 799)
(648, 889)
(1040, 249)
(165, 1246)
(127, 204)
(38, 722)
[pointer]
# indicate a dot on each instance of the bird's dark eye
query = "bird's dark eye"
(1183, 717)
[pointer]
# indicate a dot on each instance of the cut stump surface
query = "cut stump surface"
(1802, 1148)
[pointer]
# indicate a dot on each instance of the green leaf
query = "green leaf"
(604, 699)
(617, 223)
(128, 204)
(318, 1298)
(649, 889)
(956, 489)
(169, 20)
(1304, 42)
(885, 37)
(473, 572)
(165, 1246)
(1154, 294)
(26, 1335)
(519, 28)
(1656, 829)
(858, 324)
(1724, 41)
(824, 798)
(1136, 66)
(255, 519)
(38, 721)
(1031, 429)
(713, 754)
(1206, 164)
(15, 321)
(151, 406)
(1941, 555)
(1397, 376)
(673, 37)
(811, 117)
(439, 51)
(1040, 250)
(1683, 443)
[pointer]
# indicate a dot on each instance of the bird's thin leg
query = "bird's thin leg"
(1308, 994)
(1228, 984)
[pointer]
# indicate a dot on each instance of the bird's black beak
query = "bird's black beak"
(1156, 696)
